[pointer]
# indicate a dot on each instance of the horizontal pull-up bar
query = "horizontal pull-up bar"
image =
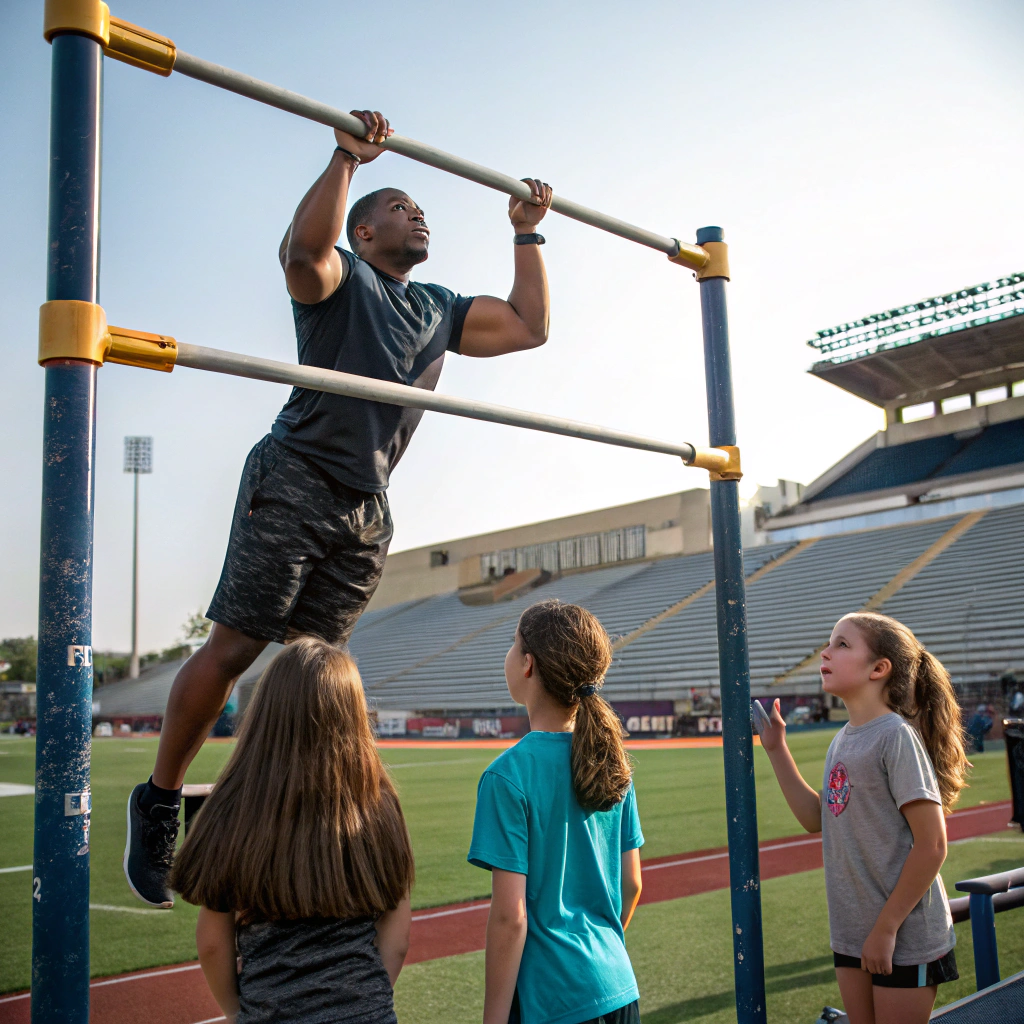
(352, 386)
(78, 330)
(144, 49)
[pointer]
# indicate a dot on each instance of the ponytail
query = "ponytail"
(941, 726)
(919, 689)
(572, 652)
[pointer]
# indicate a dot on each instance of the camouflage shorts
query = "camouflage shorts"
(305, 553)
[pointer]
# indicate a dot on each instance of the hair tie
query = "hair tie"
(586, 691)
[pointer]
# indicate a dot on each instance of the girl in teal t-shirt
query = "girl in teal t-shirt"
(557, 826)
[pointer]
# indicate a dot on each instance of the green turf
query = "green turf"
(680, 795)
(682, 953)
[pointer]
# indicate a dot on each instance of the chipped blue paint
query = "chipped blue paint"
(734, 665)
(60, 885)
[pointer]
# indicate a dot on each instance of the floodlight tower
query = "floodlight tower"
(138, 458)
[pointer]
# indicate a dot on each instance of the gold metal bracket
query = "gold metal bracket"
(693, 257)
(83, 17)
(140, 47)
(722, 463)
(718, 261)
(137, 348)
(70, 329)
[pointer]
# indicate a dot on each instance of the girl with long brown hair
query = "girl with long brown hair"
(889, 775)
(557, 826)
(300, 859)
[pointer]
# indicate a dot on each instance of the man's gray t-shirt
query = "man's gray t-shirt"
(871, 771)
(375, 326)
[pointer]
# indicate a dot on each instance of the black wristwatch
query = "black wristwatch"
(529, 239)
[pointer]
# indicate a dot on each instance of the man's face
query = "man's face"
(398, 229)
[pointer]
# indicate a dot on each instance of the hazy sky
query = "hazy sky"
(859, 155)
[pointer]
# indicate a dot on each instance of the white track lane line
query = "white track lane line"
(124, 910)
(430, 764)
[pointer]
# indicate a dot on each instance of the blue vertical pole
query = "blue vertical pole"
(733, 662)
(983, 933)
(60, 884)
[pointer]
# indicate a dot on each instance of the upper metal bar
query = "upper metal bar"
(337, 383)
(294, 103)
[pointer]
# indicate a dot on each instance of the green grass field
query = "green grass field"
(681, 949)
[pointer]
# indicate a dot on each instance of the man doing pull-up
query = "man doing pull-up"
(311, 525)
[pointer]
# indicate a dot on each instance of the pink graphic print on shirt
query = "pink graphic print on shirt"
(837, 796)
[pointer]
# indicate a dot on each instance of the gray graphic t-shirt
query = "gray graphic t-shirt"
(871, 771)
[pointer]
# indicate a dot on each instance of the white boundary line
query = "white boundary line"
(457, 910)
(20, 867)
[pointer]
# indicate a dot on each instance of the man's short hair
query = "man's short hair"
(362, 212)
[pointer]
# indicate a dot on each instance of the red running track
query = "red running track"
(178, 995)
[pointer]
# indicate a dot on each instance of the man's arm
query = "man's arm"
(312, 267)
(493, 326)
(506, 936)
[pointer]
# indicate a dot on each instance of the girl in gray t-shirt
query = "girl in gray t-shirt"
(889, 775)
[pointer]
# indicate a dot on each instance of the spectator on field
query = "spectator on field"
(979, 727)
(300, 859)
(889, 775)
(557, 827)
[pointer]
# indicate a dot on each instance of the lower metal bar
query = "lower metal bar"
(353, 386)
(322, 113)
(733, 664)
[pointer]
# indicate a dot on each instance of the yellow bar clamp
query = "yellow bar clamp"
(84, 17)
(722, 463)
(140, 47)
(120, 39)
(693, 257)
(70, 329)
(717, 265)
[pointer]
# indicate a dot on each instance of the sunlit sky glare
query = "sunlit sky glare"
(858, 155)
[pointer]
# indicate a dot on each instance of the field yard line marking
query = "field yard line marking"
(427, 764)
(124, 910)
(15, 789)
(986, 839)
(448, 913)
(724, 854)
(148, 974)
(20, 867)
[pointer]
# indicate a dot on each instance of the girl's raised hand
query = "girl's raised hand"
(771, 728)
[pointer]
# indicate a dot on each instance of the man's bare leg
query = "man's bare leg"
(200, 691)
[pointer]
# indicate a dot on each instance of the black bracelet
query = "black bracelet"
(339, 149)
(533, 239)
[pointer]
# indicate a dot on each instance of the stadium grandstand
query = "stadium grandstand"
(923, 521)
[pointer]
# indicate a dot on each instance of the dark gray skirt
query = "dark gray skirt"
(313, 971)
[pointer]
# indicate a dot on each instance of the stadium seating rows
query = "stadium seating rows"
(436, 653)
(965, 604)
(1001, 444)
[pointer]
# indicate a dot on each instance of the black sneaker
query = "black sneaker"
(149, 851)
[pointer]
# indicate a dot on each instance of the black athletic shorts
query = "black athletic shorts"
(908, 975)
(305, 553)
(628, 1014)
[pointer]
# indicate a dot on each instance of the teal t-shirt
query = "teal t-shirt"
(575, 966)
